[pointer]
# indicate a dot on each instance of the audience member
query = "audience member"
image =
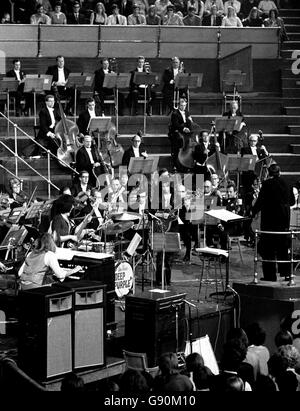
(76, 17)
(231, 19)
(292, 355)
(5, 19)
(212, 18)
(191, 19)
(136, 18)
(161, 7)
(152, 18)
(143, 6)
(172, 18)
(275, 21)
(265, 6)
(133, 381)
(247, 6)
(253, 19)
(283, 337)
(72, 383)
(232, 3)
(199, 6)
(218, 3)
(40, 17)
(99, 16)
(116, 18)
(198, 372)
(57, 17)
(256, 336)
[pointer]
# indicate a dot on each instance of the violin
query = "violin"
(66, 131)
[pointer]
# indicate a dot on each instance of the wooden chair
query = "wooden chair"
(138, 361)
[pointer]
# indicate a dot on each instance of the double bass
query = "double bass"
(218, 160)
(67, 133)
(186, 153)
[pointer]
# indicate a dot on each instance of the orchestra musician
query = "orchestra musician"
(187, 229)
(94, 203)
(2, 267)
(17, 197)
(84, 117)
(180, 126)
(100, 92)
(49, 116)
(87, 158)
(202, 151)
(60, 77)
(168, 78)
(274, 201)
(116, 197)
(136, 149)
(260, 153)
(137, 91)
(249, 200)
(82, 186)
(232, 142)
(41, 263)
(18, 74)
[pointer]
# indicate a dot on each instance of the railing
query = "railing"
(25, 40)
(293, 234)
(49, 155)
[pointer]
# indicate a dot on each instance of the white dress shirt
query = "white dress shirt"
(89, 151)
(61, 77)
(17, 72)
(182, 112)
(51, 112)
(92, 113)
(136, 151)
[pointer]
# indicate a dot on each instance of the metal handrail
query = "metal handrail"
(291, 261)
(38, 144)
(28, 165)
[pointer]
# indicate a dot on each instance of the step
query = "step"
(286, 54)
(288, 161)
(292, 28)
(294, 129)
(295, 148)
(289, 12)
(290, 92)
(290, 82)
(292, 111)
(293, 37)
(292, 20)
(290, 45)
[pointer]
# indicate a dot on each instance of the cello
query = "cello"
(66, 131)
(111, 151)
(218, 160)
(186, 153)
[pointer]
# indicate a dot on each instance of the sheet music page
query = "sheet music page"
(223, 215)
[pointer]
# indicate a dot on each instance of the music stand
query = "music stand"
(76, 80)
(15, 215)
(236, 163)
(14, 238)
(225, 125)
(141, 165)
(167, 243)
(99, 125)
(34, 84)
(234, 78)
(187, 81)
(8, 85)
(117, 81)
(34, 210)
(147, 80)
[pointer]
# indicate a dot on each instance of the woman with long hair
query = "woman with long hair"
(253, 19)
(99, 16)
(231, 19)
(275, 21)
(41, 263)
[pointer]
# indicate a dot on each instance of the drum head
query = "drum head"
(123, 278)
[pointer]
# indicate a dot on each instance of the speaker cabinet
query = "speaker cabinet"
(45, 338)
(88, 323)
(155, 323)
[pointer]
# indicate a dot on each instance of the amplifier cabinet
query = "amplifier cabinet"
(155, 323)
(88, 323)
(45, 337)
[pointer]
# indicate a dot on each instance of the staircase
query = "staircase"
(290, 80)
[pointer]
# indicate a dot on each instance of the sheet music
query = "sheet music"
(223, 215)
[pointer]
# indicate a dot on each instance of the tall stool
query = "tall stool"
(211, 258)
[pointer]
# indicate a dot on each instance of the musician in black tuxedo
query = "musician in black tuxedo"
(60, 75)
(100, 92)
(168, 79)
(137, 91)
(202, 151)
(274, 201)
(49, 116)
(91, 111)
(87, 158)
(137, 149)
(180, 126)
(213, 19)
(18, 74)
(82, 186)
(247, 177)
(231, 143)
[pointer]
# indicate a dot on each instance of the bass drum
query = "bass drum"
(123, 278)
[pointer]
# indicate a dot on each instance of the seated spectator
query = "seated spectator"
(6, 19)
(143, 6)
(99, 16)
(161, 7)
(133, 381)
(247, 6)
(72, 383)
(116, 17)
(198, 372)
(57, 17)
(253, 20)
(287, 382)
(218, 3)
(76, 17)
(277, 365)
(199, 7)
(292, 355)
(179, 6)
(256, 336)
(274, 21)
(171, 18)
(231, 19)
(192, 19)
(213, 18)
(152, 18)
(283, 337)
(40, 17)
(169, 378)
(136, 18)
(232, 3)
(265, 6)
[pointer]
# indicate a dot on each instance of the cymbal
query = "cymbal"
(127, 216)
(118, 228)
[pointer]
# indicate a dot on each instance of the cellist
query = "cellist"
(202, 151)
